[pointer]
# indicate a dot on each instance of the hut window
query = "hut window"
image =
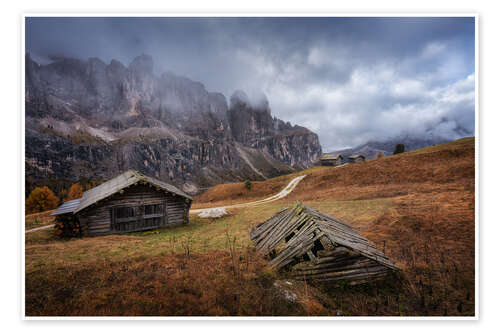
(153, 209)
(135, 218)
(125, 212)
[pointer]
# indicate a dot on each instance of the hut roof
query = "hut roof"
(300, 226)
(113, 186)
(67, 207)
(330, 156)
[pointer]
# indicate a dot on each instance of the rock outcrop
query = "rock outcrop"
(94, 120)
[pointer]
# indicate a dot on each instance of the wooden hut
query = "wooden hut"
(356, 158)
(126, 203)
(331, 159)
(314, 246)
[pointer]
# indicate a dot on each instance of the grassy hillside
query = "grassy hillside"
(417, 206)
(230, 194)
(39, 220)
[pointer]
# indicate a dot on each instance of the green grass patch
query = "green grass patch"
(199, 236)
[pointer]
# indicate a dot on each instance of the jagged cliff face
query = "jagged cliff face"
(254, 126)
(91, 119)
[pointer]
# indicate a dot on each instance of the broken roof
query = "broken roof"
(300, 226)
(113, 186)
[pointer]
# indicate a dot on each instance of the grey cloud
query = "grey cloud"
(349, 79)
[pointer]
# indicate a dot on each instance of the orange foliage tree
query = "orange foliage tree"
(75, 192)
(380, 154)
(41, 199)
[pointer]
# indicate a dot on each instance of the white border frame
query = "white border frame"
(256, 14)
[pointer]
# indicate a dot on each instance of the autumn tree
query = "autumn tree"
(41, 199)
(380, 154)
(75, 192)
(400, 148)
(63, 193)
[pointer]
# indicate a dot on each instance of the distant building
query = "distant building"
(331, 159)
(129, 202)
(356, 158)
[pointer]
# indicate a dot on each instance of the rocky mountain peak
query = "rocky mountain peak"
(142, 64)
(115, 64)
(239, 99)
(258, 102)
(96, 119)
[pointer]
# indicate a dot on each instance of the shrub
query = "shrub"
(41, 199)
(67, 226)
(248, 184)
(75, 192)
(400, 148)
(380, 154)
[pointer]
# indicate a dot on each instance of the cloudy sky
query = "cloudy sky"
(348, 79)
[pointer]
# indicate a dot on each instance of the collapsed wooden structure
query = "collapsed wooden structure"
(314, 246)
(129, 202)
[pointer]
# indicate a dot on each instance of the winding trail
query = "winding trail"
(40, 228)
(283, 193)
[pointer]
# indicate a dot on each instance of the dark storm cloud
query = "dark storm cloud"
(348, 79)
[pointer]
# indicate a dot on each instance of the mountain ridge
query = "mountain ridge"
(95, 120)
(371, 148)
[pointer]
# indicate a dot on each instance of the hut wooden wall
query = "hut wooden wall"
(356, 160)
(97, 219)
(331, 162)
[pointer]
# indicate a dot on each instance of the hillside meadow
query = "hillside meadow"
(418, 207)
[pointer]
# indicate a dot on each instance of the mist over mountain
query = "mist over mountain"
(349, 79)
(88, 118)
(371, 148)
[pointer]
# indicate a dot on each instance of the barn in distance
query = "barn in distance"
(331, 159)
(129, 202)
(356, 158)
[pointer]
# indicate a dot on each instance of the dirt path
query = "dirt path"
(40, 228)
(283, 193)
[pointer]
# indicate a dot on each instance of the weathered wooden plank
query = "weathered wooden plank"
(283, 230)
(346, 274)
(360, 276)
(100, 216)
(266, 232)
(306, 265)
(343, 252)
(337, 268)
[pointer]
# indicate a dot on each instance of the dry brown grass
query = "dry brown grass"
(418, 207)
(427, 229)
(39, 219)
(217, 283)
(449, 167)
(235, 193)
